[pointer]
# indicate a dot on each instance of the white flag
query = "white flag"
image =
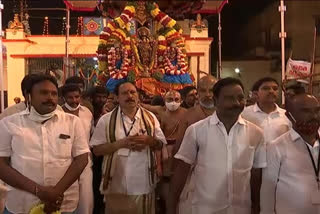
(297, 69)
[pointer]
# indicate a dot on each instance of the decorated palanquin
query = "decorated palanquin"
(145, 46)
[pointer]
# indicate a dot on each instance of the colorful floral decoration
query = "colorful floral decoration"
(119, 57)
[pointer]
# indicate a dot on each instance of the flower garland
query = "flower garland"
(116, 73)
(171, 69)
(117, 30)
(93, 73)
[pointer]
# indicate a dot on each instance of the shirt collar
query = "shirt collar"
(295, 136)
(256, 108)
(57, 113)
(136, 117)
(215, 120)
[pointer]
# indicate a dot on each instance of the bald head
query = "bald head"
(304, 107)
(301, 100)
(172, 93)
(207, 80)
(171, 96)
(205, 91)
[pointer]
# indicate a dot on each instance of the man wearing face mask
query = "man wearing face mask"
(72, 96)
(290, 183)
(170, 117)
(223, 148)
(47, 150)
(85, 101)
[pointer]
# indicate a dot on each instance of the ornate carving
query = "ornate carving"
(15, 24)
(199, 24)
(141, 14)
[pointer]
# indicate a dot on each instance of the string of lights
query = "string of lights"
(46, 26)
(64, 25)
(80, 29)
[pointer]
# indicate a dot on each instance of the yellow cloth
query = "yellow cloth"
(38, 209)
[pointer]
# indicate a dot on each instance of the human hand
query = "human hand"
(142, 140)
(49, 194)
(51, 208)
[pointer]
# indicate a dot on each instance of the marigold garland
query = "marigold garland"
(118, 30)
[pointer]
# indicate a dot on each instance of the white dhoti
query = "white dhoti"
(185, 202)
(85, 205)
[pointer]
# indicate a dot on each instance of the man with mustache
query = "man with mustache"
(265, 110)
(72, 96)
(128, 138)
(85, 101)
(290, 183)
(202, 110)
(43, 151)
(99, 97)
(189, 96)
(224, 148)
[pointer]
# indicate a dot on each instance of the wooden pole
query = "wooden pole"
(1, 63)
(313, 59)
(282, 35)
(220, 46)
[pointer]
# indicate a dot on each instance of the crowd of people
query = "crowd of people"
(196, 151)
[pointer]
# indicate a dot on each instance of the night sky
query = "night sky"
(234, 16)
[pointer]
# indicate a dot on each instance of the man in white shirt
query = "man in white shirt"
(128, 138)
(72, 96)
(224, 148)
(265, 110)
(7, 112)
(47, 152)
(290, 183)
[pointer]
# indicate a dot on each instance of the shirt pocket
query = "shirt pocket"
(63, 148)
(244, 157)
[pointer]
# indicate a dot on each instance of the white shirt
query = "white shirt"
(39, 152)
(16, 108)
(223, 163)
(289, 180)
(86, 119)
(267, 122)
(131, 175)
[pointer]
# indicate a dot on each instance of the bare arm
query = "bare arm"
(12, 177)
(73, 173)
(109, 148)
(181, 131)
(255, 183)
(178, 181)
(154, 109)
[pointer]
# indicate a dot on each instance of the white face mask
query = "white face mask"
(71, 108)
(172, 106)
(35, 116)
